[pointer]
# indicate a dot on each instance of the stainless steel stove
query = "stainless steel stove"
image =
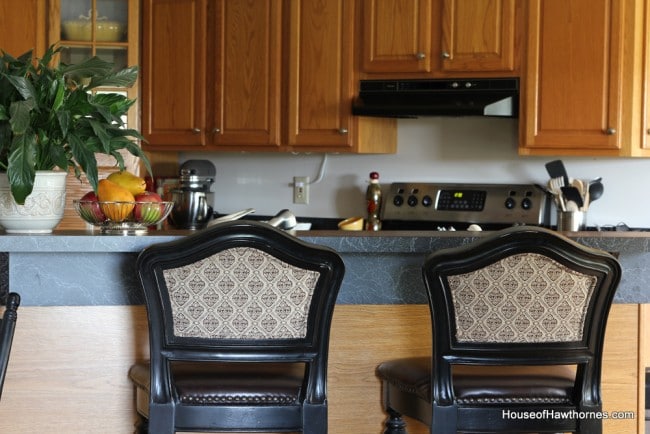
(435, 206)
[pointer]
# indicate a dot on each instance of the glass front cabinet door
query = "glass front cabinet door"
(107, 29)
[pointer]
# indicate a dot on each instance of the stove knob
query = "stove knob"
(427, 201)
(412, 200)
(526, 203)
(398, 200)
(510, 203)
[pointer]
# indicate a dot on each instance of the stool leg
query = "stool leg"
(142, 425)
(395, 424)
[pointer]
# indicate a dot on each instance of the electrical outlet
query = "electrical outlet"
(301, 189)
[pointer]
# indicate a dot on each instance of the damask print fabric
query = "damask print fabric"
(524, 298)
(240, 293)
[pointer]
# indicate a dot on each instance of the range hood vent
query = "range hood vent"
(414, 98)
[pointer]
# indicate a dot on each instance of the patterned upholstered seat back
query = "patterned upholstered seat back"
(523, 298)
(240, 293)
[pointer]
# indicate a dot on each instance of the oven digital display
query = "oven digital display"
(461, 200)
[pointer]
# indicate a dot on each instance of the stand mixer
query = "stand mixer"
(192, 197)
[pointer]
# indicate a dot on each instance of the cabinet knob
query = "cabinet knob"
(196, 130)
(216, 130)
(420, 56)
(343, 131)
(446, 55)
(647, 131)
(610, 131)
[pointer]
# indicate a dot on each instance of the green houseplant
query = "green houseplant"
(49, 118)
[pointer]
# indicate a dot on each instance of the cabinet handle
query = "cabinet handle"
(216, 130)
(420, 56)
(196, 130)
(610, 131)
(343, 131)
(446, 55)
(647, 131)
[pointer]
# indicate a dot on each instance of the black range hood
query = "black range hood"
(440, 97)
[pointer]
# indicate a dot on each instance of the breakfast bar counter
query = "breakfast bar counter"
(88, 268)
(82, 324)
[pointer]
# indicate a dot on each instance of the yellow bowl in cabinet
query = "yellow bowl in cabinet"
(105, 31)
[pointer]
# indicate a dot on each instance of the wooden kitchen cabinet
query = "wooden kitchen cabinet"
(23, 28)
(253, 75)
(60, 22)
(636, 100)
(479, 36)
(245, 57)
(643, 52)
(321, 83)
(320, 73)
(427, 38)
(210, 74)
(173, 72)
(397, 36)
(572, 100)
(117, 44)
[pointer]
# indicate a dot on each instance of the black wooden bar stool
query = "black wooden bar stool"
(518, 326)
(239, 320)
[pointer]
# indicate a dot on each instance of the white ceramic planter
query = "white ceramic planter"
(43, 208)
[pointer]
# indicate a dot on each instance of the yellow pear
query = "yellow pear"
(116, 202)
(128, 180)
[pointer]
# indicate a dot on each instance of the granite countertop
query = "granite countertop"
(381, 267)
(342, 241)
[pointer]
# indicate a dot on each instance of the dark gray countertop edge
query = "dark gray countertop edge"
(381, 268)
(344, 242)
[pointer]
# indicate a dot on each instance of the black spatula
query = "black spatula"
(573, 194)
(556, 169)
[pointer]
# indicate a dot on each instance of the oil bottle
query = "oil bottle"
(373, 202)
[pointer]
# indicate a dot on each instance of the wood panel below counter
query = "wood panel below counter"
(68, 367)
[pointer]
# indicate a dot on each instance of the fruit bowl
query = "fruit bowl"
(123, 217)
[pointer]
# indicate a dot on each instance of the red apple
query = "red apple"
(148, 208)
(90, 209)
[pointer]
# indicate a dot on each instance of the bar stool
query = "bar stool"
(518, 327)
(7, 328)
(239, 319)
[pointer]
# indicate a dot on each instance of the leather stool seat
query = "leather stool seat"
(227, 384)
(485, 384)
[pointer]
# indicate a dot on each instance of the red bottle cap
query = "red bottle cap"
(374, 175)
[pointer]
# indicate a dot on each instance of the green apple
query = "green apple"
(148, 208)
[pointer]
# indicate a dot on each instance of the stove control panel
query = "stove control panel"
(468, 203)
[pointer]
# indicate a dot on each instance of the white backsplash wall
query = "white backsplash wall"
(476, 150)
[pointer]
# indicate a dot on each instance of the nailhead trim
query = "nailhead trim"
(238, 399)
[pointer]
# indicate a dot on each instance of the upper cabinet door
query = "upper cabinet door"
(244, 73)
(572, 98)
(23, 27)
(642, 136)
(429, 39)
(478, 35)
(108, 29)
(320, 74)
(174, 34)
(397, 36)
